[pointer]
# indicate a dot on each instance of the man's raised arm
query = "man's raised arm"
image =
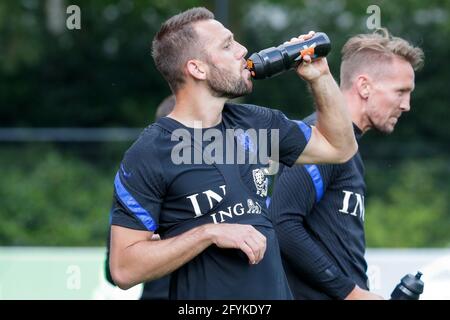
(332, 139)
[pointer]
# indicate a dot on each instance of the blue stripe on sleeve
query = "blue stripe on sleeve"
(316, 178)
(305, 129)
(132, 205)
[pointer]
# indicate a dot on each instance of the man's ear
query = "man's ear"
(362, 84)
(197, 69)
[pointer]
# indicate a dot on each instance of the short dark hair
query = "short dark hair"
(173, 45)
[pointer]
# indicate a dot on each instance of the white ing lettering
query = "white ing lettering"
(238, 209)
(209, 195)
(346, 201)
(241, 209)
(212, 195)
(358, 205)
(195, 204)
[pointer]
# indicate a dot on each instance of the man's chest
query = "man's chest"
(346, 193)
(224, 193)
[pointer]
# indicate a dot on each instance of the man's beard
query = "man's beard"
(224, 85)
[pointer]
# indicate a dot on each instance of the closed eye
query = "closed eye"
(228, 41)
(403, 91)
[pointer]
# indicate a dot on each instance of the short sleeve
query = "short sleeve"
(138, 190)
(293, 137)
(299, 188)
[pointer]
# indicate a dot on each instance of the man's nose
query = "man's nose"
(405, 105)
(242, 51)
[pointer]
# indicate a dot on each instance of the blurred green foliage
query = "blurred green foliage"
(410, 206)
(51, 198)
(103, 75)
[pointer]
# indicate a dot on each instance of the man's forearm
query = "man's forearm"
(135, 258)
(148, 260)
(333, 117)
(310, 260)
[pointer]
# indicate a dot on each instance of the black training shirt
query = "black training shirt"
(318, 214)
(153, 193)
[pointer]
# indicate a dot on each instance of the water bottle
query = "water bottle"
(272, 61)
(409, 288)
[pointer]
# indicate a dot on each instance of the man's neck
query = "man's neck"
(197, 108)
(357, 109)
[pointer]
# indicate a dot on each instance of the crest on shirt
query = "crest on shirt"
(261, 182)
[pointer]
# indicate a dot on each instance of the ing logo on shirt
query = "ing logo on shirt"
(238, 209)
(355, 199)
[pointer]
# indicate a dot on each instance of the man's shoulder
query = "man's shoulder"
(148, 141)
(311, 119)
(315, 171)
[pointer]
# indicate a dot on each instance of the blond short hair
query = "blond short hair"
(370, 52)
